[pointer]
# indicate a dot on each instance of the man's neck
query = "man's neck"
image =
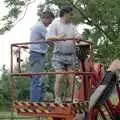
(42, 21)
(64, 21)
(44, 24)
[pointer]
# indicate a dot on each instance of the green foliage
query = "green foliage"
(23, 83)
(50, 79)
(5, 88)
(22, 88)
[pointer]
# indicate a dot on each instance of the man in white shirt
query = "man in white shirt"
(63, 53)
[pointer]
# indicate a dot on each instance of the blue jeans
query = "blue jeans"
(37, 63)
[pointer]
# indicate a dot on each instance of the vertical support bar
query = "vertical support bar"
(11, 70)
(85, 84)
(73, 88)
(108, 106)
(93, 114)
(19, 60)
(118, 90)
(11, 65)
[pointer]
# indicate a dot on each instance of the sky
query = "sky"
(20, 32)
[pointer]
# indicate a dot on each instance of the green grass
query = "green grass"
(13, 116)
(114, 99)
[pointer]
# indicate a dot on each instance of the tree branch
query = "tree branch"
(90, 21)
(25, 11)
(12, 20)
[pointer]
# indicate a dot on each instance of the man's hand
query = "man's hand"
(114, 66)
(79, 38)
(56, 37)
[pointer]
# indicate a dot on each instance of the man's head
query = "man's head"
(47, 17)
(66, 13)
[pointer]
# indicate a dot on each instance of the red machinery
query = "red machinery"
(91, 75)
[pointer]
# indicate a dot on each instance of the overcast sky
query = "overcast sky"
(20, 33)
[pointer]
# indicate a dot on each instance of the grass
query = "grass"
(114, 99)
(13, 116)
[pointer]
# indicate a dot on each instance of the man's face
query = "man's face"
(48, 20)
(68, 16)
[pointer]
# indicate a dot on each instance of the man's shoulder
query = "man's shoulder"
(56, 21)
(37, 27)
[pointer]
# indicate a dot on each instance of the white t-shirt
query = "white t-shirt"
(59, 28)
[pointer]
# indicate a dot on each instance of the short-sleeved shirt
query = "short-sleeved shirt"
(58, 27)
(63, 53)
(38, 33)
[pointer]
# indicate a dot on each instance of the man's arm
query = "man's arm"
(37, 33)
(76, 33)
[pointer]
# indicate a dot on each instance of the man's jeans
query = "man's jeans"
(37, 62)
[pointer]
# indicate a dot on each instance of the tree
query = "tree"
(22, 87)
(15, 8)
(5, 94)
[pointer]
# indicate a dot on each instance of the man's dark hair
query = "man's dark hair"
(46, 14)
(64, 10)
